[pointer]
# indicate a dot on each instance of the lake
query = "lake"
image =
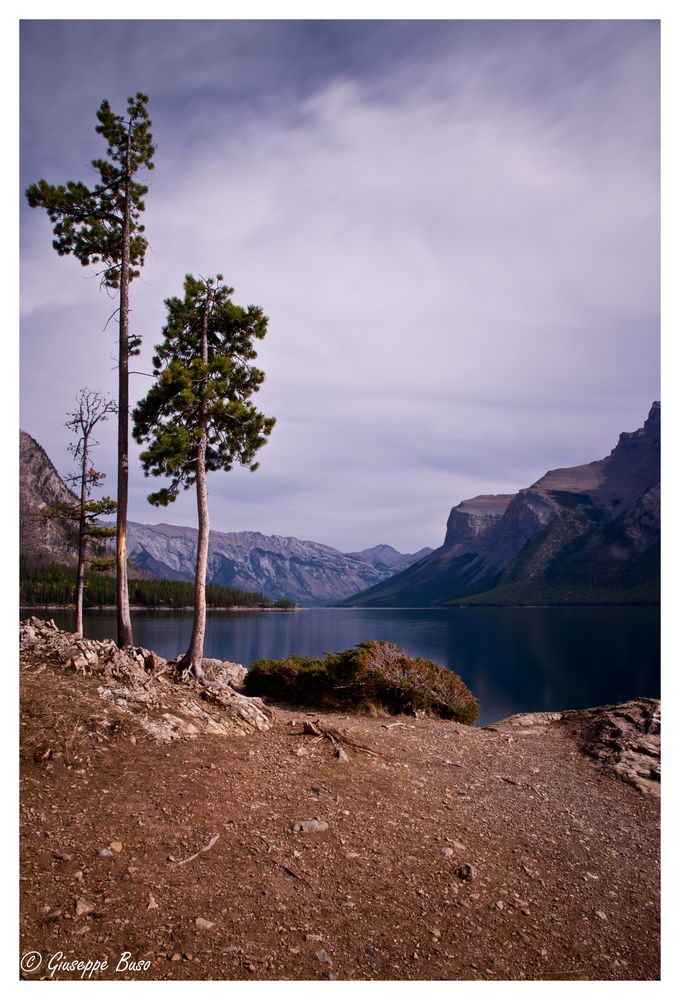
(513, 659)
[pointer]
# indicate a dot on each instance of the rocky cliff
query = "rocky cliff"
(587, 533)
(40, 485)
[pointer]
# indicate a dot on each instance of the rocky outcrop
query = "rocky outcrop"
(590, 532)
(624, 739)
(142, 685)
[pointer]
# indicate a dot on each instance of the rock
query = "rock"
(601, 914)
(323, 956)
(447, 851)
(309, 826)
(233, 674)
(624, 740)
(202, 924)
(116, 846)
(153, 905)
(83, 907)
(105, 853)
(467, 873)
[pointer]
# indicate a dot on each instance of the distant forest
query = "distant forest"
(43, 585)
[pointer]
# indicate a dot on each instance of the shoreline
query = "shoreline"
(142, 607)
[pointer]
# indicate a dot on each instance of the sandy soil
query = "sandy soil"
(455, 854)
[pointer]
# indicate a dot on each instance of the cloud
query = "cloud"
(458, 256)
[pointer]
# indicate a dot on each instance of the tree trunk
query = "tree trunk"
(122, 600)
(193, 658)
(194, 655)
(80, 578)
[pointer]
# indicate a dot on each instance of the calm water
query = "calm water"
(513, 659)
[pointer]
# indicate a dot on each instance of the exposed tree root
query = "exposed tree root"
(337, 739)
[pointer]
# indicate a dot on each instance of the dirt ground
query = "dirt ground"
(456, 854)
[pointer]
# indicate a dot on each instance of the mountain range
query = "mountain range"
(277, 566)
(587, 534)
(308, 572)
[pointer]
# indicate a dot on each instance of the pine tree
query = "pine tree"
(197, 416)
(100, 225)
(91, 409)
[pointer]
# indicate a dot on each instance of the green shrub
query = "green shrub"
(372, 675)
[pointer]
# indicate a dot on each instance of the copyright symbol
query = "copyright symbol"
(30, 962)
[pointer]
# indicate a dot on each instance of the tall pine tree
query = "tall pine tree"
(198, 416)
(100, 225)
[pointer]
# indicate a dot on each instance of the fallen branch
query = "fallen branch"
(337, 739)
(293, 874)
(211, 843)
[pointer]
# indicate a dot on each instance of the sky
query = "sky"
(452, 226)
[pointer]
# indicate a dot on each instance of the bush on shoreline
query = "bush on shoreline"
(372, 675)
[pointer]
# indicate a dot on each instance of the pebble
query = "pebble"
(83, 908)
(466, 872)
(105, 853)
(203, 924)
(310, 826)
(153, 905)
(447, 851)
(323, 956)
(116, 846)
(601, 914)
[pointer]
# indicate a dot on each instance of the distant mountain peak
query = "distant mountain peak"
(591, 529)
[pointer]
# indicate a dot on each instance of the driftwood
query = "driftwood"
(211, 843)
(336, 738)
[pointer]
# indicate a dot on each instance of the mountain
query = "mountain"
(42, 539)
(308, 572)
(588, 534)
(387, 559)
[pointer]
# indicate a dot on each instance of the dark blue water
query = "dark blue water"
(513, 659)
